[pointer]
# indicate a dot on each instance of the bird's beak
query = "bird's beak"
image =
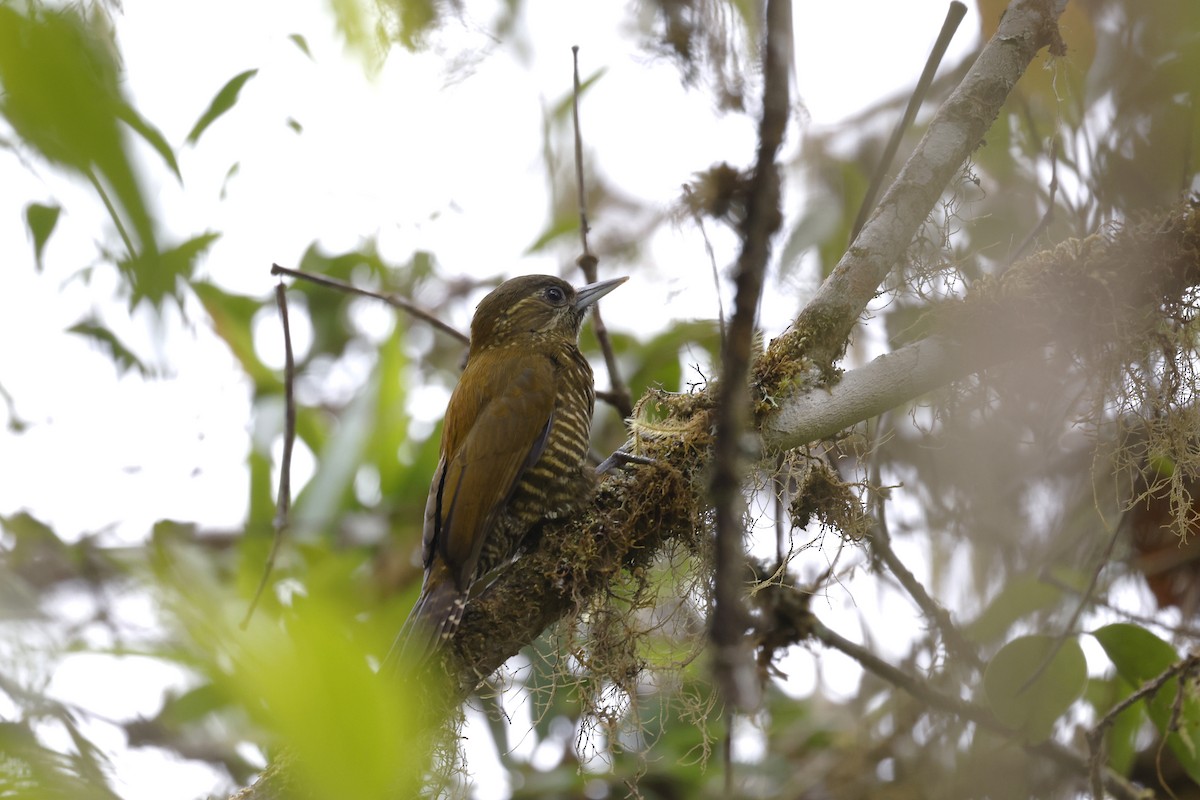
(586, 295)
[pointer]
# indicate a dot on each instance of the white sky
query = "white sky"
(454, 168)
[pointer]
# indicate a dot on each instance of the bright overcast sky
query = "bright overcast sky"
(420, 157)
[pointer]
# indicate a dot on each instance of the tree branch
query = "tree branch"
(1103, 291)
(732, 664)
(954, 133)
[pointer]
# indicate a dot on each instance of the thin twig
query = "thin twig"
(393, 300)
(712, 260)
(1048, 217)
(954, 17)
(1116, 785)
(112, 212)
(881, 546)
(1084, 600)
(731, 659)
(584, 229)
(283, 504)
(620, 396)
(1095, 736)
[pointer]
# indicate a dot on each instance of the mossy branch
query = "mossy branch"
(1101, 296)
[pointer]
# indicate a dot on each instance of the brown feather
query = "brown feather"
(514, 445)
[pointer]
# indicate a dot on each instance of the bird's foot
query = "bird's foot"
(621, 459)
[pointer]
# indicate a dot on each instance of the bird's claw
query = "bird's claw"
(621, 459)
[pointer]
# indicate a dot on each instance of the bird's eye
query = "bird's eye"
(555, 295)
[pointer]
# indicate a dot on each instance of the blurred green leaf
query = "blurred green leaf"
(302, 43)
(153, 136)
(61, 94)
(232, 317)
(391, 416)
(328, 308)
(125, 359)
(564, 106)
(1120, 742)
(29, 769)
(156, 276)
(40, 220)
(1028, 694)
(372, 429)
(230, 174)
(316, 692)
(557, 228)
(1018, 599)
(221, 103)
(360, 26)
(416, 18)
(1140, 657)
(820, 223)
(195, 704)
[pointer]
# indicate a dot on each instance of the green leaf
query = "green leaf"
(416, 18)
(107, 341)
(230, 174)
(1120, 741)
(224, 100)
(153, 136)
(40, 220)
(390, 429)
(318, 693)
(360, 27)
(232, 316)
(294, 125)
(557, 228)
(1140, 657)
(301, 43)
(1018, 599)
(564, 106)
(154, 276)
(1029, 685)
(61, 89)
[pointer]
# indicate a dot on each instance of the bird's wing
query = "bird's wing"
(496, 426)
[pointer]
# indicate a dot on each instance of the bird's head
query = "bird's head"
(534, 304)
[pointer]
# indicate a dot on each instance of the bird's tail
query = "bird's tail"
(431, 623)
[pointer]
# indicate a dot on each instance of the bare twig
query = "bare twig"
(954, 17)
(1095, 736)
(1084, 601)
(584, 228)
(712, 260)
(731, 658)
(1048, 217)
(283, 504)
(881, 546)
(393, 300)
(620, 396)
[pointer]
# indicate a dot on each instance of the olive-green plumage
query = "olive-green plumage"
(514, 444)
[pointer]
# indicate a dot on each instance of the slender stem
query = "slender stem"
(881, 546)
(112, 212)
(394, 300)
(1116, 785)
(731, 662)
(1095, 736)
(620, 395)
(954, 17)
(283, 504)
